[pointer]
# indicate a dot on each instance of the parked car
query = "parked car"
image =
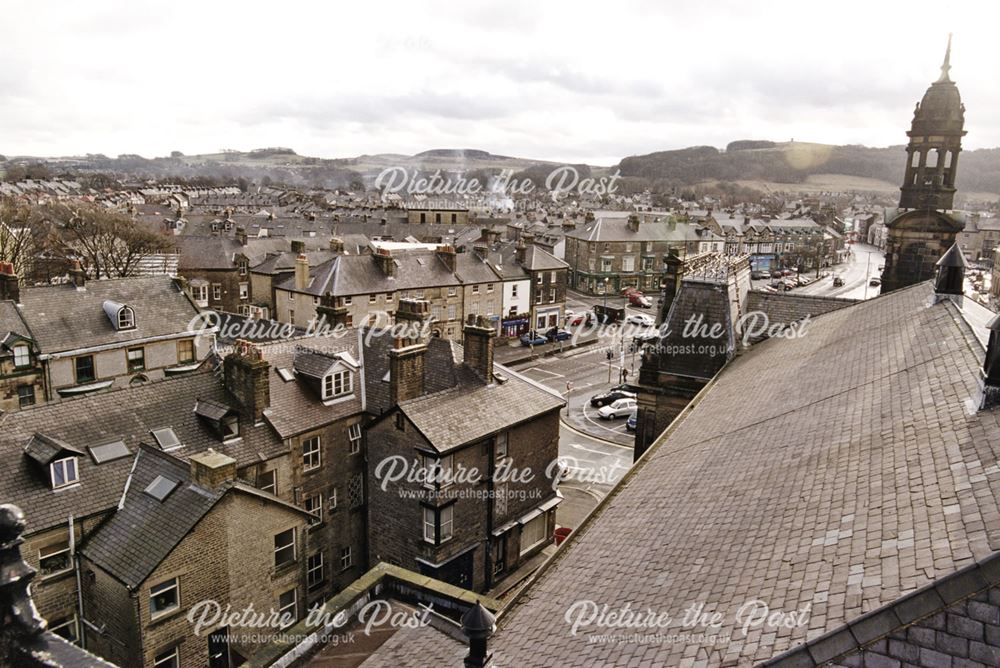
(758, 275)
(647, 336)
(611, 396)
(630, 423)
(533, 338)
(838, 281)
(875, 281)
(580, 318)
(775, 274)
(618, 409)
(640, 300)
(640, 319)
(556, 334)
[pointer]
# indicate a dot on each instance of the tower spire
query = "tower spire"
(946, 65)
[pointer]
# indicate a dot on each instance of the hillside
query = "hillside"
(795, 162)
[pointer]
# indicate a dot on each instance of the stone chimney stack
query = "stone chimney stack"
(336, 245)
(519, 251)
(298, 246)
(407, 357)
(247, 378)
(477, 345)
(241, 235)
(331, 314)
(385, 262)
(950, 279)
(77, 275)
(301, 272)
(210, 469)
(9, 285)
(633, 222)
(447, 255)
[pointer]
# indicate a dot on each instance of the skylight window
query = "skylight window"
(286, 375)
(160, 488)
(108, 452)
(166, 438)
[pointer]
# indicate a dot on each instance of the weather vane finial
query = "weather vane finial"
(946, 65)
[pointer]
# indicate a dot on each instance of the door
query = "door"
(218, 649)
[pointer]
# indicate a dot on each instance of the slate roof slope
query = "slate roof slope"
(208, 252)
(11, 321)
(788, 308)
(295, 407)
(418, 647)
(616, 228)
(539, 259)
(133, 542)
(361, 274)
(128, 415)
(860, 474)
(64, 318)
(698, 355)
(473, 410)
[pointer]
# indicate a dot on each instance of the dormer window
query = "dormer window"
(126, 318)
(121, 316)
(64, 472)
(222, 418)
(22, 357)
(337, 384)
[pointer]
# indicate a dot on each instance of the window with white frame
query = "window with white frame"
(66, 628)
(314, 571)
(288, 607)
(533, 533)
(168, 659)
(199, 293)
(333, 498)
(513, 290)
(346, 558)
(54, 559)
(268, 482)
(64, 472)
(628, 263)
(284, 548)
(475, 289)
(338, 384)
(244, 290)
(354, 438)
(164, 598)
(489, 287)
(438, 524)
(216, 291)
(22, 357)
(314, 505)
(312, 456)
(126, 318)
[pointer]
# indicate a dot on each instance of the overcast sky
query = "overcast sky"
(589, 82)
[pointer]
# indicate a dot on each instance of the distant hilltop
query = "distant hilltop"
(757, 162)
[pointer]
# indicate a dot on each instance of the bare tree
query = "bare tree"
(111, 244)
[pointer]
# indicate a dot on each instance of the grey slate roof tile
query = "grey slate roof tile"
(839, 470)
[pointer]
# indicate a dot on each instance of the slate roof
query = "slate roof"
(538, 259)
(361, 274)
(788, 308)
(208, 252)
(699, 354)
(140, 535)
(295, 406)
(128, 415)
(473, 410)
(279, 263)
(415, 648)
(838, 470)
(11, 321)
(612, 227)
(63, 318)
